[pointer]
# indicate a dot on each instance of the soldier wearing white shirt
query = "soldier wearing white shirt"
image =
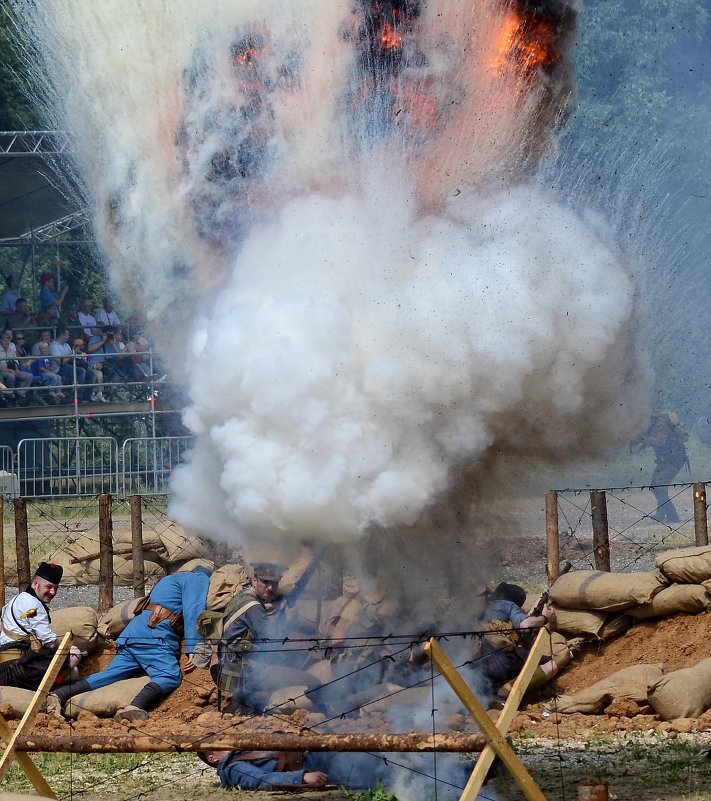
(26, 635)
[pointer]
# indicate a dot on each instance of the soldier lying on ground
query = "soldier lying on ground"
(27, 642)
(151, 644)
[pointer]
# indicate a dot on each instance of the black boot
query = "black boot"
(138, 708)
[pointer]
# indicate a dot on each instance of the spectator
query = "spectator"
(22, 317)
(44, 370)
(106, 314)
(10, 373)
(23, 358)
(11, 295)
(85, 317)
(81, 361)
(48, 294)
(62, 355)
(110, 349)
(70, 318)
(141, 354)
(48, 317)
(45, 335)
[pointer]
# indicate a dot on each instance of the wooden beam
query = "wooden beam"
(495, 737)
(25, 762)
(45, 686)
(134, 740)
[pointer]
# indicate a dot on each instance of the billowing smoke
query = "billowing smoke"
(330, 214)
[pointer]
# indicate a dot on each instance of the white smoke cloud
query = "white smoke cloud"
(356, 358)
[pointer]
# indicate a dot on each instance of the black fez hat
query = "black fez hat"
(510, 592)
(50, 572)
(267, 572)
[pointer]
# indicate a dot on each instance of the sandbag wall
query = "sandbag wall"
(166, 548)
(597, 605)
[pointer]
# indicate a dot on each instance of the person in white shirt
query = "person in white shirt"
(86, 318)
(107, 315)
(26, 632)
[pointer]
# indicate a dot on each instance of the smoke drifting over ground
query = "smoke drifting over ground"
(329, 213)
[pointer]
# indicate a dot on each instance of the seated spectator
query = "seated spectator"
(45, 335)
(48, 317)
(26, 619)
(48, 294)
(82, 361)
(106, 314)
(141, 354)
(85, 317)
(109, 349)
(44, 370)
(62, 355)
(24, 359)
(70, 318)
(11, 295)
(10, 374)
(22, 317)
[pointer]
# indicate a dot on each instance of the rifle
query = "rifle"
(537, 610)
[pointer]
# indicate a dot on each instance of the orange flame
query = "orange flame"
(390, 38)
(525, 42)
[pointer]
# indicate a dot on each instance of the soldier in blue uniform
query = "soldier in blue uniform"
(151, 644)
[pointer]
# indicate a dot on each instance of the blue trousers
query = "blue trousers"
(158, 661)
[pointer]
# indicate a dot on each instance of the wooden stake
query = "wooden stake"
(139, 574)
(106, 558)
(22, 545)
(495, 735)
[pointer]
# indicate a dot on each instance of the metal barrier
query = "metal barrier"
(67, 466)
(149, 463)
(9, 482)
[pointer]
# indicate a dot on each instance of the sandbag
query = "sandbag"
(123, 572)
(74, 575)
(684, 693)
(609, 592)
(179, 545)
(113, 622)
(287, 700)
(686, 565)
(191, 564)
(225, 583)
(18, 699)
(579, 621)
(82, 621)
(558, 650)
(632, 683)
(106, 701)
(691, 598)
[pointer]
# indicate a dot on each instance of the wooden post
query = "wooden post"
(2, 552)
(22, 544)
(701, 529)
(552, 538)
(601, 536)
(106, 555)
(139, 574)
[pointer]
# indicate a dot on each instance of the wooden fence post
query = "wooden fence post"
(601, 535)
(701, 529)
(22, 544)
(552, 538)
(106, 554)
(139, 574)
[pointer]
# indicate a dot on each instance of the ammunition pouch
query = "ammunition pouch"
(160, 613)
(227, 676)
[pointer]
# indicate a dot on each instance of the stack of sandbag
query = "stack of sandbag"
(85, 547)
(598, 605)
(166, 548)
